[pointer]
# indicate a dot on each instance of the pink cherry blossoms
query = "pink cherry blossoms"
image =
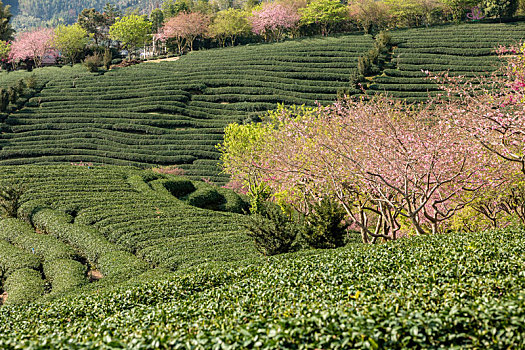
(273, 19)
(34, 44)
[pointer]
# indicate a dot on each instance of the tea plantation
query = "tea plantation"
(172, 112)
(105, 254)
(452, 291)
(466, 50)
(175, 112)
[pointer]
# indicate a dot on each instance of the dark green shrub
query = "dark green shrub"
(324, 226)
(4, 100)
(107, 58)
(273, 230)
(121, 265)
(233, 202)
(206, 198)
(10, 196)
(383, 40)
(92, 63)
(20, 87)
(363, 65)
(148, 176)
(13, 258)
(91, 243)
(12, 93)
(179, 187)
(46, 247)
(31, 81)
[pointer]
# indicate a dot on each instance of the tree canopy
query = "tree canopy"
(132, 31)
(6, 32)
(71, 41)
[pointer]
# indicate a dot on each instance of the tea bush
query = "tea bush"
(446, 291)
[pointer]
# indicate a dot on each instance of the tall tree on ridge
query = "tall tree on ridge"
(6, 32)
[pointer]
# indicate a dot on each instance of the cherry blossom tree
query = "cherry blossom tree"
(394, 167)
(492, 110)
(185, 28)
(272, 20)
(33, 45)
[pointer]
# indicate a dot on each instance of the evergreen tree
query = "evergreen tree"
(500, 8)
(6, 32)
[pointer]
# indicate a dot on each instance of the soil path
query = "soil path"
(164, 60)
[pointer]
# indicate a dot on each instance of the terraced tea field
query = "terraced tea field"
(460, 291)
(466, 50)
(173, 112)
(120, 222)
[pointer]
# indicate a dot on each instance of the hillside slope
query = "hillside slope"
(174, 113)
(467, 50)
(121, 221)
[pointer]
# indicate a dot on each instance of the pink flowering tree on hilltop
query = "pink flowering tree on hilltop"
(272, 20)
(32, 45)
(185, 28)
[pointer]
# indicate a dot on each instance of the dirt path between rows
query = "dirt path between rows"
(164, 60)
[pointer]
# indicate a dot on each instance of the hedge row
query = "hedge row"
(112, 262)
(65, 275)
(24, 285)
(45, 247)
(444, 291)
(13, 259)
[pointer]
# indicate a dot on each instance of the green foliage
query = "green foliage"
(430, 49)
(4, 100)
(273, 230)
(10, 196)
(206, 198)
(372, 62)
(230, 23)
(444, 291)
(92, 21)
(65, 275)
(179, 187)
(157, 19)
(24, 285)
(120, 265)
(458, 8)
(31, 82)
(6, 31)
(233, 202)
(5, 49)
(13, 259)
(112, 261)
(174, 113)
(325, 226)
(500, 8)
(93, 62)
(71, 41)
(324, 13)
(107, 58)
(45, 247)
(132, 31)
(171, 8)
